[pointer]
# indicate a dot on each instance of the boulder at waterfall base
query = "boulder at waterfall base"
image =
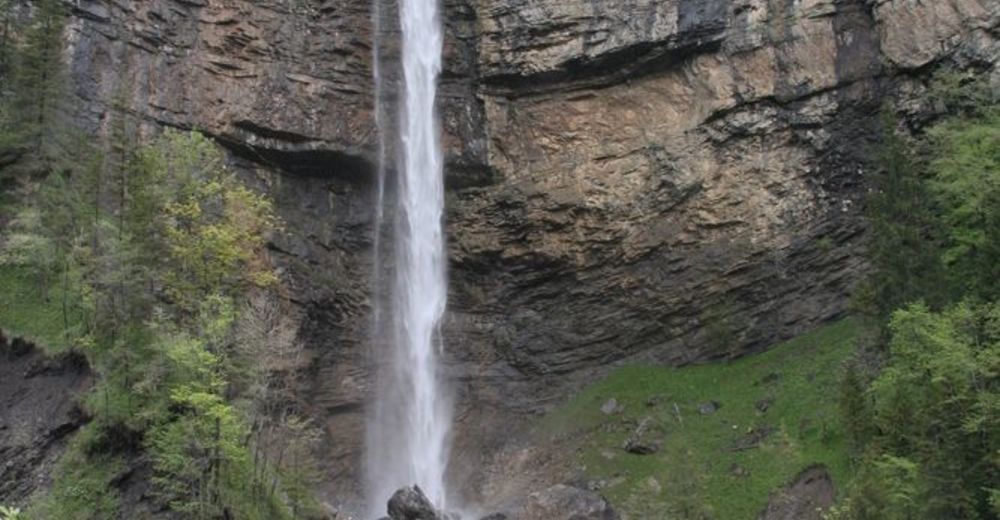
(410, 503)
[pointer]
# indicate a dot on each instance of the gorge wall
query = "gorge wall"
(668, 181)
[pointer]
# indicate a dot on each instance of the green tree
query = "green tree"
(886, 488)
(8, 56)
(936, 418)
(162, 251)
(854, 407)
(40, 84)
(7, 14)
(902, 235)
(966, 186)
(209, 229)
(963, 94)
(929, 423)
(28, 246)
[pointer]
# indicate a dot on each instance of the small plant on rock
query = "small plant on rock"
(9, 513)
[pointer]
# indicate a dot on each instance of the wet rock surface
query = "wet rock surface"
(624, 178)
(410, 503)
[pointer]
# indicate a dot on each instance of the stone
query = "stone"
(752, 438)
(805, 498)
(410, 503)
(655, 400)
(596, 485)
(709, 408)
(562, 502)
(611, 406)
(643, 440)
(641, 447)
(333, 512)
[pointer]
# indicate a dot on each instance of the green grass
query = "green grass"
(692, 475)
(27, 312)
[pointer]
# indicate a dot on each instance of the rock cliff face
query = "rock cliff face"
(38, 414)
(631, 180)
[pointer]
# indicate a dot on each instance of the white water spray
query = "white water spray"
(409, 428)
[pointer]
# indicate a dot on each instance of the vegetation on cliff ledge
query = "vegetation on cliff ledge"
(150, 259)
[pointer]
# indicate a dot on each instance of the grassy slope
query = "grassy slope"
(26, 313)
(25, 310)
(695, 474)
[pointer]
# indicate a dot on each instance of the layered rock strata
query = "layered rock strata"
(667, 181)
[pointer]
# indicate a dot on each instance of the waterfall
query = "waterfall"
(409, 427)
(379, 116)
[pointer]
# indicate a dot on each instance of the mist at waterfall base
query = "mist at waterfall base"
(410, 420)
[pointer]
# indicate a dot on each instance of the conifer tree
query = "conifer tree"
(966, 186)
(6, 38)
(8, 138)
(40, 84)
(902, 241)
(854, 408)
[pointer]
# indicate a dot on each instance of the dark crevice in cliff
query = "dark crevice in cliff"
(271, 133)
(345, 408)
(782, 102)
(315, 162)
(607, 70)
(285, 151)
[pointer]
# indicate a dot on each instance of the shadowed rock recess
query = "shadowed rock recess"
(628, 179)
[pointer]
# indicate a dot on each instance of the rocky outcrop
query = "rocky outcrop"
(668, 181)
(559, 502)
(39, 410)
(563, 502)
(410, 503)
(805, 498)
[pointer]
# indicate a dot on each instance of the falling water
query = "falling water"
(379, 113)
(408, 433)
